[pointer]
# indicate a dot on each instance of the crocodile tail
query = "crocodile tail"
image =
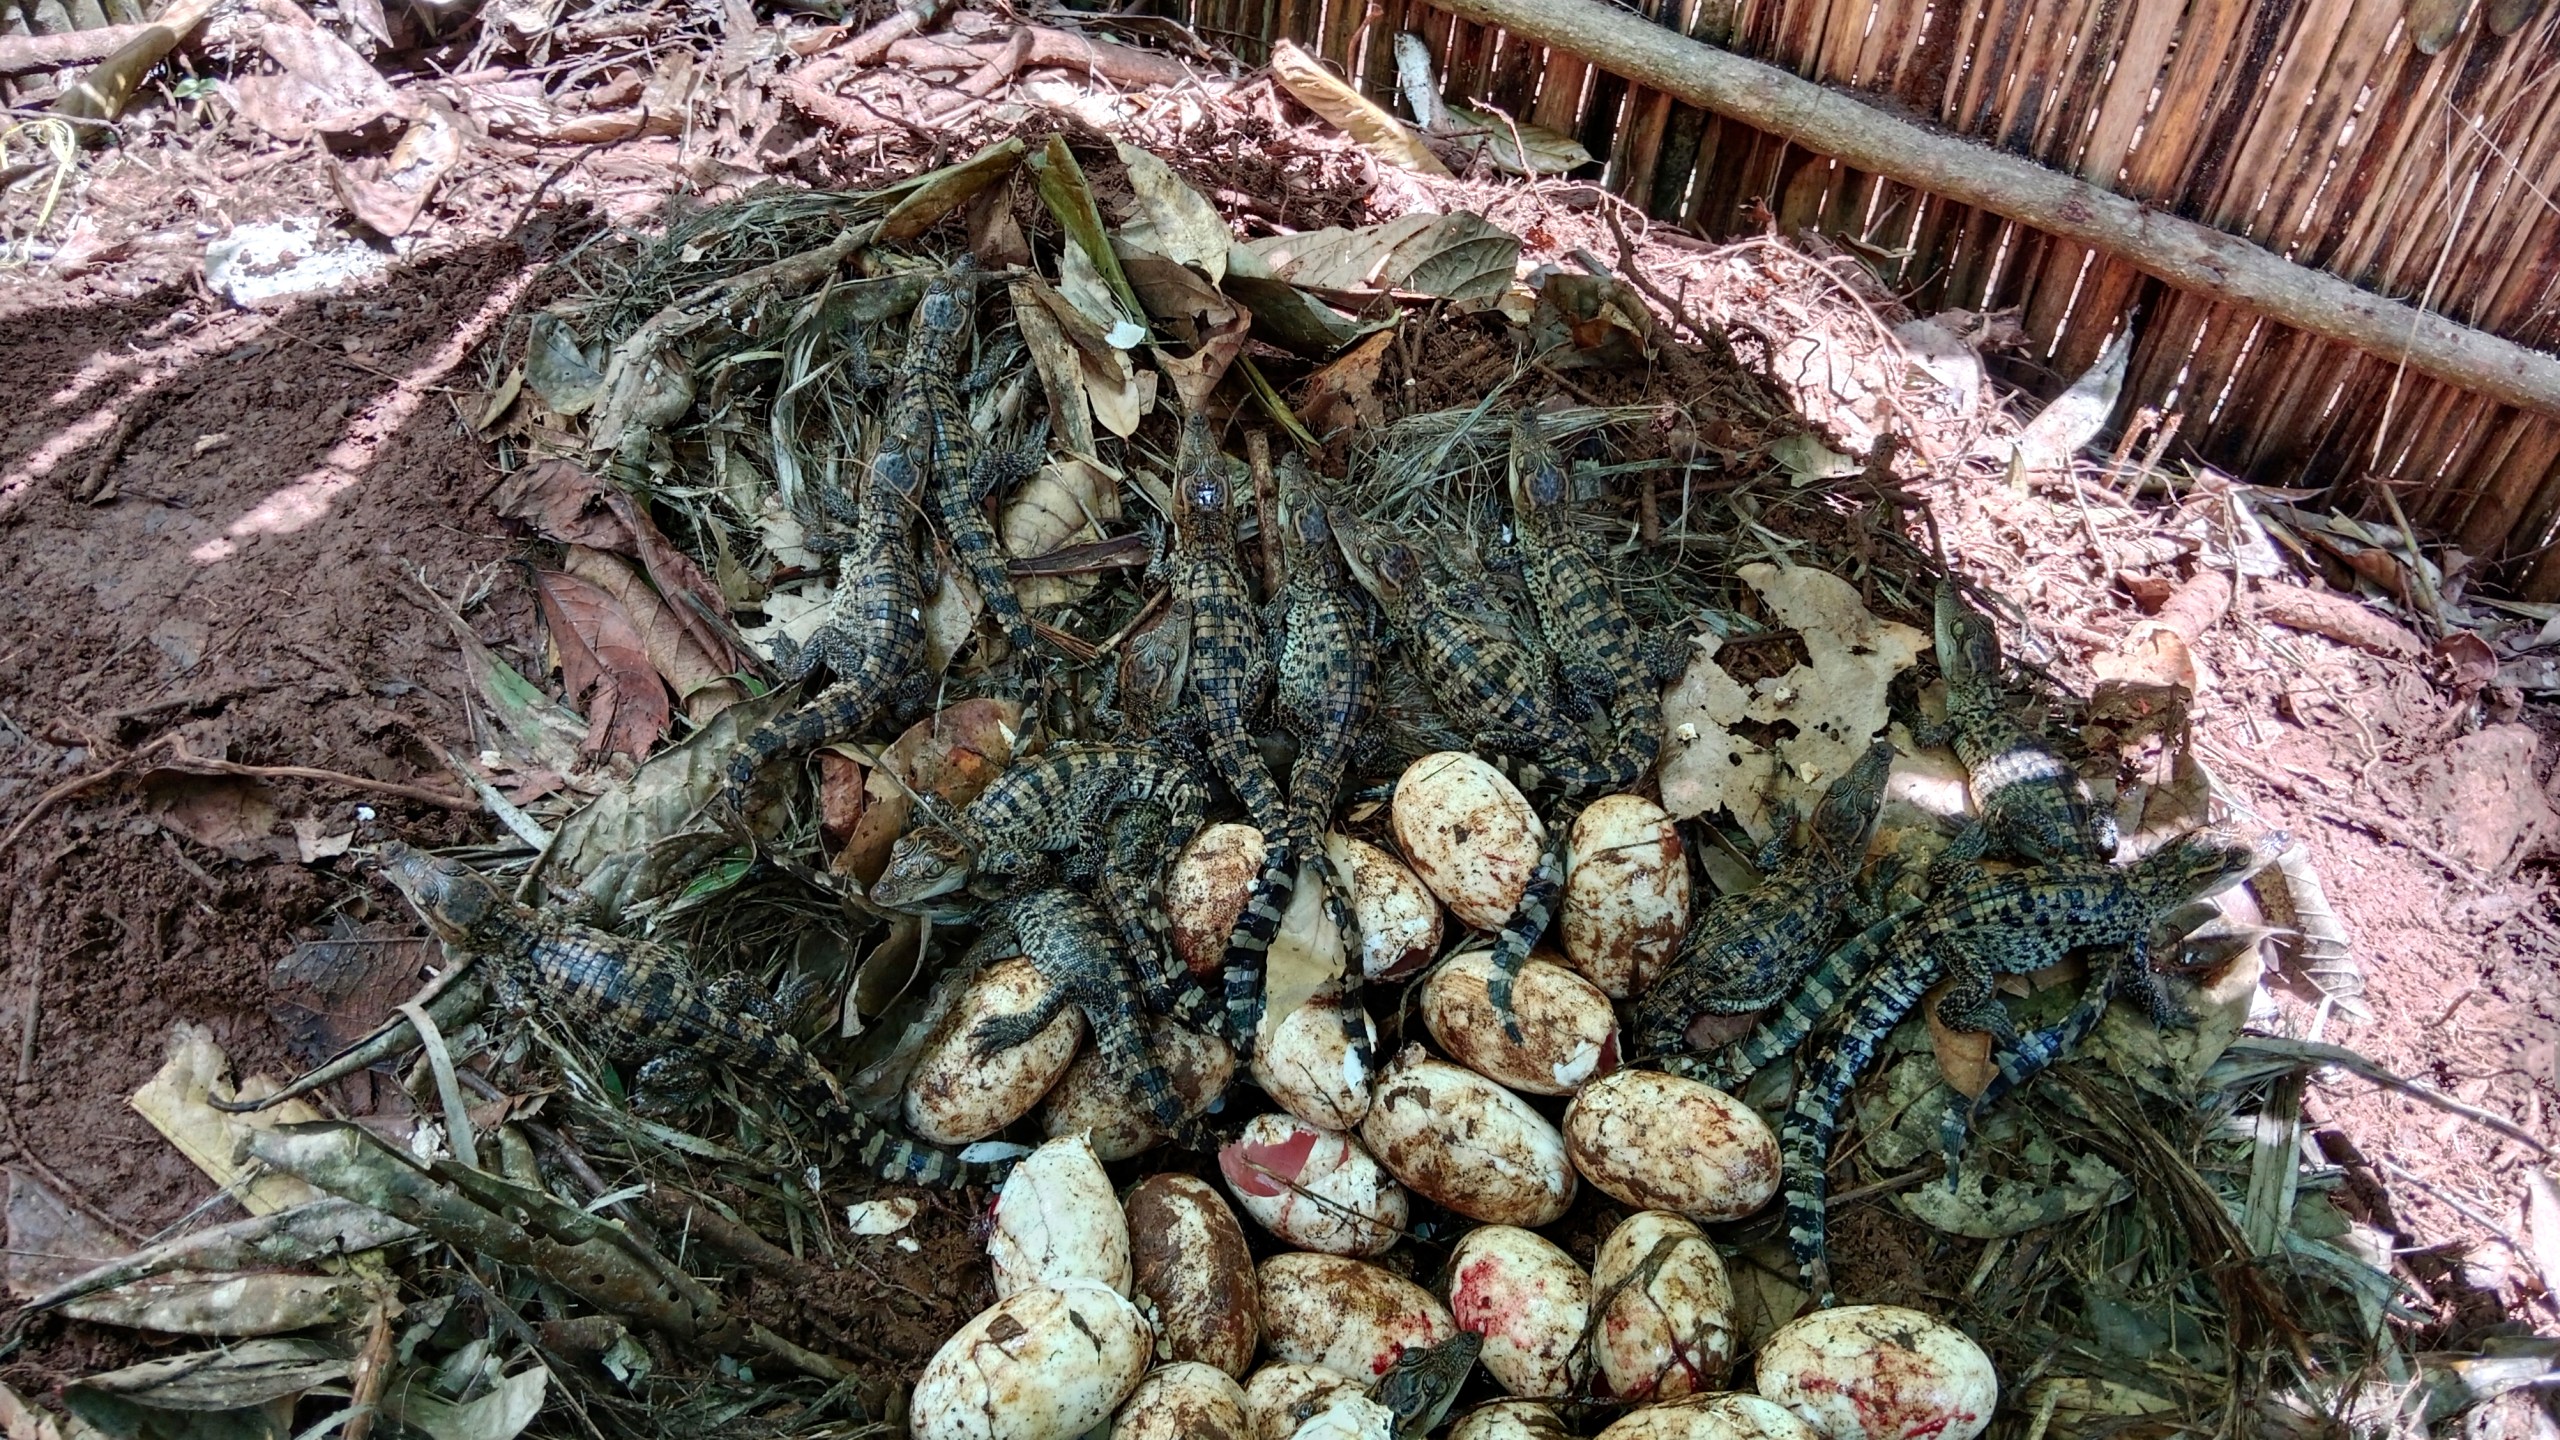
(1355, 974)
(1521, 932)
(892, 1156)
(841, 709)
(1777, 1035)
(1813, 1120)
(1248, 949)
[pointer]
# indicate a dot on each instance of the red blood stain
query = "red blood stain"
(1608, 1052)
(1482, 1303)
(1261, 1170)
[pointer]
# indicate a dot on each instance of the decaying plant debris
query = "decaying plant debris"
(2147, 1248)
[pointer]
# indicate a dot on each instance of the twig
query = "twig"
(2333, 809)
(74, 786)
(1266, 506)
(2459, 1206)
(183, 760)
(999, 70)
(2312, 1052)
(94, 489)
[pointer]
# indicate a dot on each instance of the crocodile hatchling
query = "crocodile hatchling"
(1111, 814)
(1981, 927)
(873, 638)
(1748, 949)
(636, 999)
(2030, 802)
(1227, 673)
(1424, 1382)
(1066, 940)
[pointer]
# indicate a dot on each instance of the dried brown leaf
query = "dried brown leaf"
(604, 659)
(1347, 110)
(1344, 394)
(672, 649)
(324, 87)
(564, 501)
(388, 194)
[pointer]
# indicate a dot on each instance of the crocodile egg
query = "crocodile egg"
(1308, 1067)
(1469, 834)
(1509, 1420)
(1315, 1188)
(955, 1095)
(1184, 1401)
(1528, 1300)
(1568, 1033)
(1211, 882)
(1626, 894)
(1194, 1272)
(1712, 1417)
(1879, 1372)
(1088, 1100)
(1279, 1398)
(1666, 1328)
(1662, 1142)
(1346, 1315)
(1399, 921)
(1041, 1364)
(1057, 1220)
(1465, 1143)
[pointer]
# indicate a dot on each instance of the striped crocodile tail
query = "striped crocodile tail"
(1354, 1010)
(1813, 1120)
(1248, 950)
(1521, 933)
(894, 1157)
(2022, 1060)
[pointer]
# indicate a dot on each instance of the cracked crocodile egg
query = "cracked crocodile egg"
(1509, 1420)
(956, 1095)
(1308, 1067)
(1879, 1372)
(1666, 1329)
(1211, 882)
(1568, 1033)
(1528, 1300)
(1184, 1401)
(1469, 835)
(1280, 1397)
(1712, 1417)
(1346, 1315)
(1056, 1220)
(1463, 1142)
(1662, 1142)
(1399, 921)
(1313, 1187)
(1042, 1364)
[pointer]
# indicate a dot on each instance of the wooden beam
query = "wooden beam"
(2192, 257)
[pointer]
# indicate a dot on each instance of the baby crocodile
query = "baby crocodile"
(1424, 1382)
(2031, 803)
(634, 998)
(1984, 926)
(1749, 948)
(1114, 815)
(1065, 940)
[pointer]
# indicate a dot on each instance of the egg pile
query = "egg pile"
(1149, 1310)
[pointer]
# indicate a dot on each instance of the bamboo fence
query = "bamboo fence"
(2317, 128)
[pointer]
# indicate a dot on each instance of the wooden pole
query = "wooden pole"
(2192, 257)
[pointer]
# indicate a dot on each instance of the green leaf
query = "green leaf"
(949, 188)
(1064, 190)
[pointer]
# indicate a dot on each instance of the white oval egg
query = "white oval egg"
(1879, 1372)
(1281, 1397)
(1528, 1300)
(1184, 1401)
(1712, 1417)
(1057, 1220)
(1398, 918)
(1088, 1100)
(1509, 1420)
(1463, 1142)
(1661, 1142)
(955, 1095)
(1626, 894)
(1666, 1309)
(1042, 1364)
(1469, 835)
(1211, 881)
(1313, 1187)
(1568, 1033)
(1348, 1415)
(1307, 1064)
(1345, 1315)
(1192, 1269)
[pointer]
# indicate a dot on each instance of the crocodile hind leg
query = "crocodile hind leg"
(669, 1085)
(999, 1033)
(2016, 1062)
(963, 508)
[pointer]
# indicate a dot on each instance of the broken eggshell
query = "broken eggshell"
(1313, 1187)
(1568, 1033)
(1662, 1142)
(1192, 1269)
(1088, 1100)
(1469, 835)
(1879, 1372)
(1713, 1417)
(956, 1095)
(1308, 1066)
(1211, 882)
(1666, 1317)
(1463, 1142)
(1057, 1220)
(1528, 1300)
(1626, 894)
(1398, 918)
(1184, 1401)
(1042, 1364)
(1345, 1314)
